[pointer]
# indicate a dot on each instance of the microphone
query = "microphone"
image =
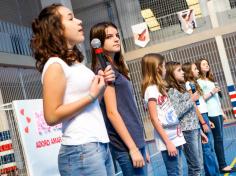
(219, 93)
(96, 45)
(193, 88)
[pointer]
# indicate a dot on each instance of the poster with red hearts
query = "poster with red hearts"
(40, 142)
(141, 34)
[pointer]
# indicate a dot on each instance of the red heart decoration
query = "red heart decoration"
(27, 129)
(22, 112)
(28, 119)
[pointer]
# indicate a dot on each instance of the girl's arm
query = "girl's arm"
(202, 121)
(172, 151)
(180, 104)
(54, 83)
(199, 115)
(209, 95)
(119, 125)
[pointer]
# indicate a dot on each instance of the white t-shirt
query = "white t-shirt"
(167, 117)
(88, 125)
(202, 104)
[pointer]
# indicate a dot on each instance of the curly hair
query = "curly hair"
(98, 31)
(170, 78)
(48, 38)
(152, 65)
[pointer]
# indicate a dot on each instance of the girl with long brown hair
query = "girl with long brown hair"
(70, 92)
(215, 113)
(191, 74)
(185, 109)
(119, 108)
(168, 134)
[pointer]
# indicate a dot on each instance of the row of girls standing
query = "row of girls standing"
(200, 76)
(71, 92)
(173, 114)
(172, 110)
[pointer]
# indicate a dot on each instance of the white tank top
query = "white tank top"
(88, 125)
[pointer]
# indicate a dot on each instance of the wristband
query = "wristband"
(204, 123)
(91, 97)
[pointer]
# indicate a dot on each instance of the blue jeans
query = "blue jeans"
(209, 156)
(91, 159)
(126, 164)
(193, 152)
(173, 164)
(218, 140)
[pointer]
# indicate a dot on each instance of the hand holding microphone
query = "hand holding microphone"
(106, 71)
(219, 91)
(193, 88)
(96, 45)
(97, 87)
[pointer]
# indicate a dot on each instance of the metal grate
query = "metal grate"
(162, 8)
(230, 46)
(19, 84)
(232, 3)
(169, 32)
(135, 74)
(16, 38)
(165, 13)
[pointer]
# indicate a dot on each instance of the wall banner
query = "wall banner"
(141, 34)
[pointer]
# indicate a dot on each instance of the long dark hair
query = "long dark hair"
(209, 74)
(98, 31)
(170, 78)
(188, 75)
(48, 38)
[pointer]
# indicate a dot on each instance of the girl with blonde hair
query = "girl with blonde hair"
(168, 134)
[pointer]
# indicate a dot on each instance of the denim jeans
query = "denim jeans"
(173, 164)
(126, 165)
(91, 159)
(193, 152)
(218, 140)
(209, 156)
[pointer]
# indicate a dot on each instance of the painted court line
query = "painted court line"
(232, 165)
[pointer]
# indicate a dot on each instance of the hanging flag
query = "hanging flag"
(141, 34)
(187, 20)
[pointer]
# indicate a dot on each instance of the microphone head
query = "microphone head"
(96, 43)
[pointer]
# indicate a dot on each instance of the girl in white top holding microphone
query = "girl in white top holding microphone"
(70, 92)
